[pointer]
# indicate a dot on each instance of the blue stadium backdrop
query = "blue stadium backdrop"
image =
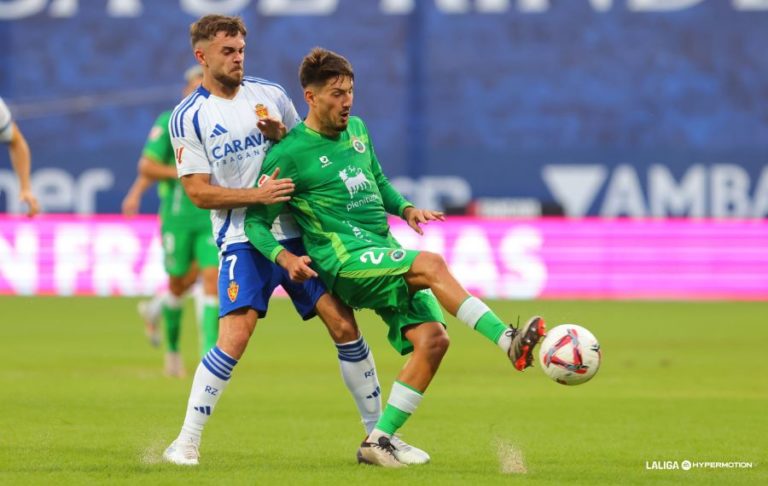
(604, 107)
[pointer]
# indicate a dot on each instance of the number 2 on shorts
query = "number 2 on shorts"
(375, 258)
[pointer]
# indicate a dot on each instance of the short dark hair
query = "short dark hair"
(206, 28)
(320, 65)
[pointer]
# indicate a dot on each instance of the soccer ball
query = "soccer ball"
(570, 354)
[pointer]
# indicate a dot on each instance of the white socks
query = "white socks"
(359, 372)
(211, 378)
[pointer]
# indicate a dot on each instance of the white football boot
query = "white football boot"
(406, 453)
(379, 453)
(183, 453)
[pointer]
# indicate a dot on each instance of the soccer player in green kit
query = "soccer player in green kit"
(187, 237)
(341, 201)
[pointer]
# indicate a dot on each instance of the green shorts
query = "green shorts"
(182, 246)
(373, 279)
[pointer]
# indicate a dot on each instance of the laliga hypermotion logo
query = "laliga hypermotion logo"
(178, 155)
(354, 179)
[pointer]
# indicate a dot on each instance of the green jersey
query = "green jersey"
(341, 200)
(176, 209)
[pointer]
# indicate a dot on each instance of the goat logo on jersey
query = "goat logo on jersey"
(354, 179)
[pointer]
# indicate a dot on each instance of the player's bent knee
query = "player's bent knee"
(431, 264)
(439, 344)
(434, 344)
(341, 329)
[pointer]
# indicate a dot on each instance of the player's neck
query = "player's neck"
(313, 123)
(221, 90)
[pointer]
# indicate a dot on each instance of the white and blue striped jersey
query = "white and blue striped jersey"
(217, 136)
(6, 123)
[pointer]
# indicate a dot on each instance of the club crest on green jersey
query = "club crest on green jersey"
(354, 179)
(358, 145)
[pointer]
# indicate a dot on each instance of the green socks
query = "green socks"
(172, 322)
(474, 313)
(402, 402)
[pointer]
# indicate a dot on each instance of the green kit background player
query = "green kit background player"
(341, 201)
(187, 237)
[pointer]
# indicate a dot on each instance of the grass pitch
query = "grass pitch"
(85, 402)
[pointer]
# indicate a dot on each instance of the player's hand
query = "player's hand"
(272, 128)
(297, 266)
(274, 190)
(416, 217)
(130, 205)
(32, 207)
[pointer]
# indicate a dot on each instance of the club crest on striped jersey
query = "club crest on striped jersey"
(232, 290)
(261, 111)
(358, 145)
(354, 179)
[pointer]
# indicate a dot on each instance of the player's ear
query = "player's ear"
(309, 96)
(200, 57)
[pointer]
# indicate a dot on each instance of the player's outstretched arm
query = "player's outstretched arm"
(208, 196)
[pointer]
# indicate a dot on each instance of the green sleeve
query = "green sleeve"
(158, 146)
(259, 217)
(394, 202)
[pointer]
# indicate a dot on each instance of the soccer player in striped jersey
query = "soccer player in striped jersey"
(188, 244)
(341, 202)
(21, 158)
(221, 134)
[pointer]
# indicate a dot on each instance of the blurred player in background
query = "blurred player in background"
(221, 133)
(341, 202)
(188, 244)
(21, 159)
